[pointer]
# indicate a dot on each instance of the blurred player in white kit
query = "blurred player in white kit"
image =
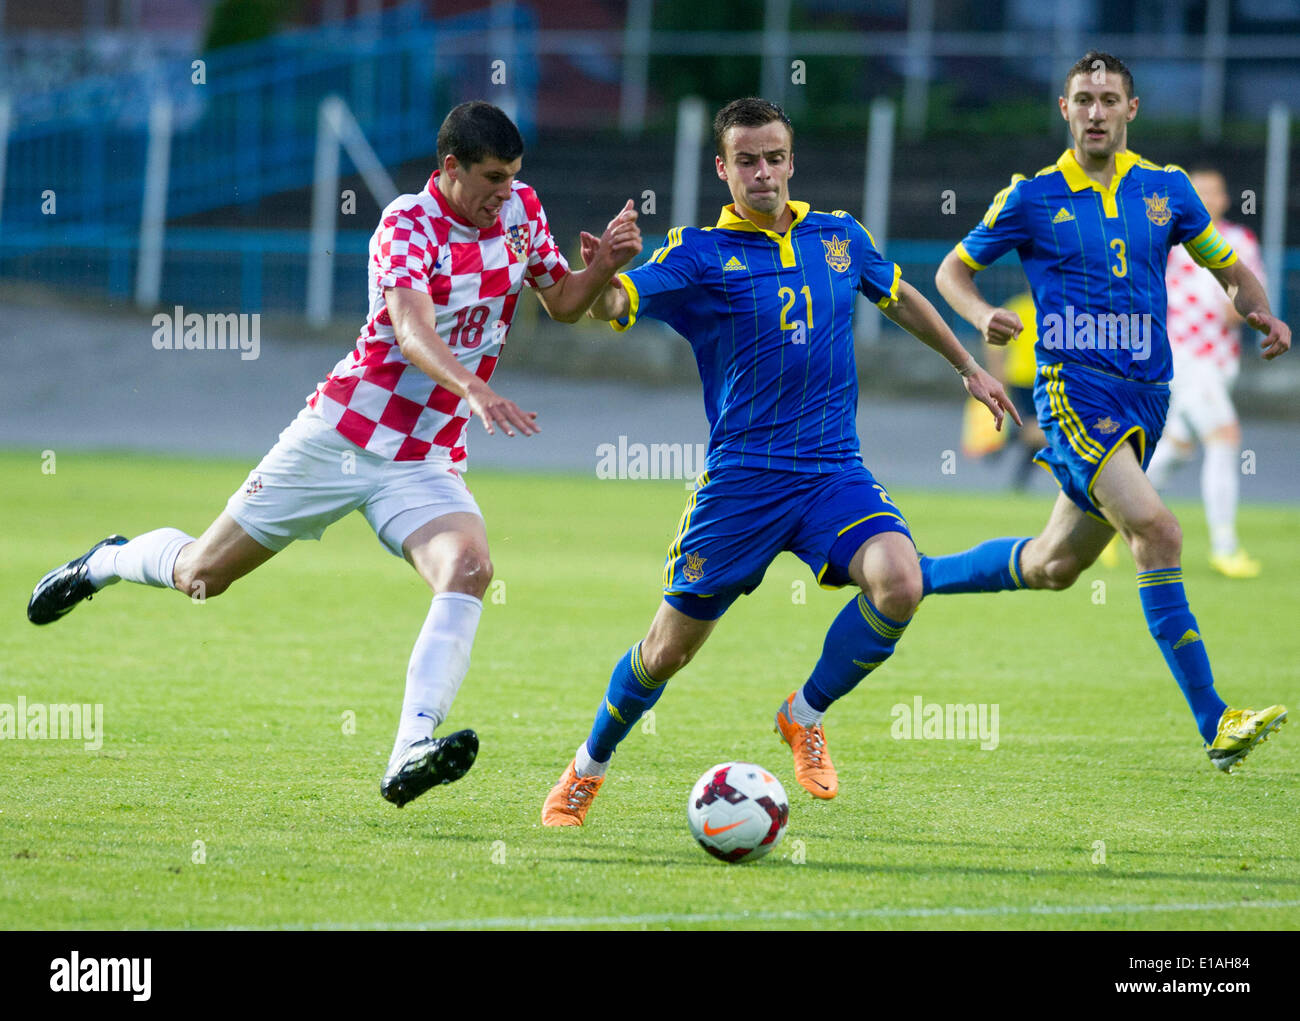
(1205, 335)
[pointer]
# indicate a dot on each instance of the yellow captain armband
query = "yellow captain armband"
(634, 302)
(1210, 250)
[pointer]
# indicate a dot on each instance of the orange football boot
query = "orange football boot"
(812, 762)
(569, 799)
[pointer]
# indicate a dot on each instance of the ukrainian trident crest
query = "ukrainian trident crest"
(694, 567)
(837, 254)
(1158, 209)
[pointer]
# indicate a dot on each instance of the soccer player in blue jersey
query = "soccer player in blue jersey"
(1093, 232)
(766, 298)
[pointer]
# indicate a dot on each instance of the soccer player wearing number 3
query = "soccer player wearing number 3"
(766, 299)
(386, 432)
(1094, 232)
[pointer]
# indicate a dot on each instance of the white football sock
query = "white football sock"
(585, 765)
(1167, 457)
(147, 559)
(101, 569)
(804, 714)
(1219, 485)
(438, 664)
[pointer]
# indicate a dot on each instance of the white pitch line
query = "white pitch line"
(553, 921)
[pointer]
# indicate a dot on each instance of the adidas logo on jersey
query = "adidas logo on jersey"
(1063, 215)
(733, 263)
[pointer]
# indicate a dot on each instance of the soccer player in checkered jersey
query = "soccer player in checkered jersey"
(385, 433)
(1093, 231)
(1205, 335)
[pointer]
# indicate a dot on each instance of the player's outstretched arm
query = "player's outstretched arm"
(416, 325)
(567, 300)
(919, 318)
(956, 282)
(1251, 302)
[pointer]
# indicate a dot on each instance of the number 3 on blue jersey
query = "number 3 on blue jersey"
(1121, 269)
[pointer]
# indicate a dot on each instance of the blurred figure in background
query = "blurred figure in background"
(1205, 335)
(1014, 367)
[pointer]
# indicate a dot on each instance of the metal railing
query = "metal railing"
(244, 118)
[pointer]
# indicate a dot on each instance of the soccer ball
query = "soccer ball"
(738, 811)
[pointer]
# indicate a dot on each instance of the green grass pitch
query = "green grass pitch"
(237, 784)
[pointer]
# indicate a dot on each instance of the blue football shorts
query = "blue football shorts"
(738, 519)
(1087, 416)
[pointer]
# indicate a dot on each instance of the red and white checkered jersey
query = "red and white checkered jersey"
(1198, 321)
(374, 396)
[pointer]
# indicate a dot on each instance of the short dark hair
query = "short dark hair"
(1088, 63)
(477, 131)
(750, 112)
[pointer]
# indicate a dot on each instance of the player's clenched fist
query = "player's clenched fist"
(496, 410)
(1000, 326)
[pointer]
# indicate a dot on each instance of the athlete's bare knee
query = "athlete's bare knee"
(898, 595)
(470, 572)
(1156, 539)
(197, 577)
(1055, 571)
(1061, 572)
(1054, 575)
(663, 657)
(664, 661)
(1229, 435)
(453, 562)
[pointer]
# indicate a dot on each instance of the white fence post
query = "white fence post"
(691, 116)
(1212, 69)
(776, 50)
(916, 64)
(636, 67)
(1273, 229)
(875, 199)
(6, 109)
(335, 127)
(153, 216)
(324, 227)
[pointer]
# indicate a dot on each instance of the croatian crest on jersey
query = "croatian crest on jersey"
(1158, 209)
(694, 567)
(517, 239)
(837, 254)
(1106, 425)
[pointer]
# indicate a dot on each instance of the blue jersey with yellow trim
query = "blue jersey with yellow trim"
(770, 320)
(1096, 258)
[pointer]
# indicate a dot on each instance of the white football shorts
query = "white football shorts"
(1200, 400)
(313, 476)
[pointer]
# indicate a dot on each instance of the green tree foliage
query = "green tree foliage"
(242, 21)
(835, 92)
